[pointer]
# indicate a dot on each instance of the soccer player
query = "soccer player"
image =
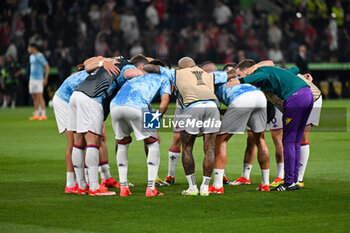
(88, 111)
(195, 91)
(39, 74)
(246, 107)
(61, 110)
(127, 109)
(209, 66)
(297, 105)
(276, 127)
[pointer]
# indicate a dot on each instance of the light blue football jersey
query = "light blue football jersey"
(227, 95)
(139, 92)
(65, 91)
(37, 66)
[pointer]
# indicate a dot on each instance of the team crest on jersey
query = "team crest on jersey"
(151, 120)
(288, 120)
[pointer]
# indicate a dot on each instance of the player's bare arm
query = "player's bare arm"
(132, 73)
(232, 82)
(258, 65)
(46, 77)
(108, 64)
(164, 103)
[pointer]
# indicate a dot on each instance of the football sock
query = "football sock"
(265, 177)
(304, 157)
(86, 172)
(4, 104)
(280, 170)
(247, 168)
(153, 160)
(104, 169)
(37, 113)
(92, 158)
(39, 110)
(43, 112)
(205, 182)
(218, 178)
(174, 156)
(78, 163)
(70, 179)
(191, 181)
(122, 163)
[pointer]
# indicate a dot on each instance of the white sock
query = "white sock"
(4, 104)
(39, 110)
(92, 158)
(153, 160)
(304, 157)
(191, 181)
(122, 164)
(247, 168)
(265, 177)
(104, 170)
(218, 178)
(173, 158)
(78, 163)
(205, 182)
(37, 113)
(86, 172)
(280, 170)
(70, 179)
(43, 112)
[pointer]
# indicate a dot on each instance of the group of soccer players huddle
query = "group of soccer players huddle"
(126, 89)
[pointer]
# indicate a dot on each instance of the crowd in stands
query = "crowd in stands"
(225, 30)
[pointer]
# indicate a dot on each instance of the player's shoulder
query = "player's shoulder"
(40, 55)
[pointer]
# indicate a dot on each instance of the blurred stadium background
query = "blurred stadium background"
(313, 34)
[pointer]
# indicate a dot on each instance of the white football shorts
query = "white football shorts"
(126, 119)
(61, 110)
(36, 86)
(86, 114)
(249, 109)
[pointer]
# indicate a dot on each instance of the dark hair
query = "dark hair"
(231, 64)
(33, 45)
(206, 62)
(161, 62)
(246, 63)
(80, 67)
(139, 59)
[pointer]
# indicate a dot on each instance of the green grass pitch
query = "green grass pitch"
(32, 180)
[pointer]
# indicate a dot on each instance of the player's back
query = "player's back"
(227, 95)
(140, 91)
(282, 82)
(65, 91)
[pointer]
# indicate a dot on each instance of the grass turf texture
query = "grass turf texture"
(32, 180)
